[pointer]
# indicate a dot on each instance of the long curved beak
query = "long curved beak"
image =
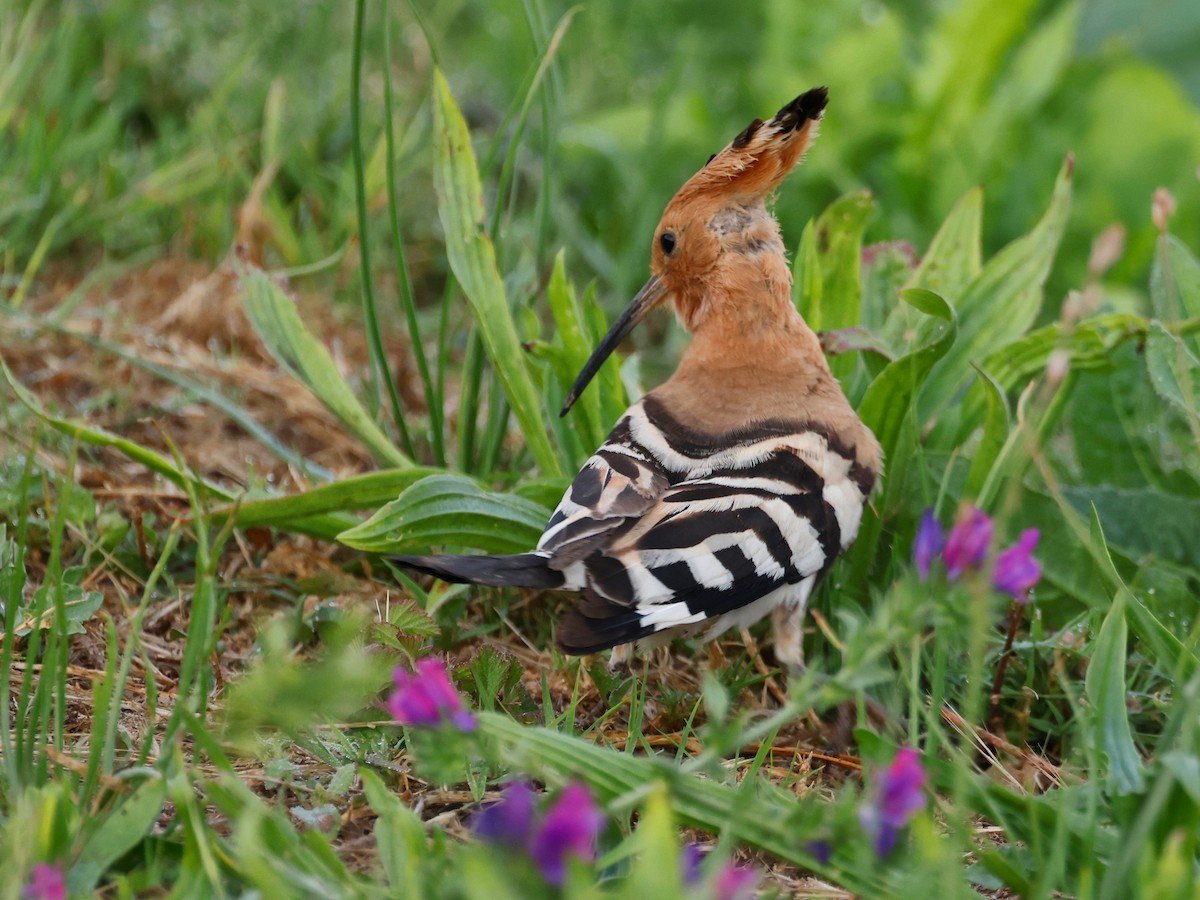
(647, 298)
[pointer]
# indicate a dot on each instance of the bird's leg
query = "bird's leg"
(619, 663)
(787, 625)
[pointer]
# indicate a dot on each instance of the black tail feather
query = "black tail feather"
(597, 624)
(518, 570)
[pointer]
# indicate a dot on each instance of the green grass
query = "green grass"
(192, 681)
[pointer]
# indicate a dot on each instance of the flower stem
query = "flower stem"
(1014, 619)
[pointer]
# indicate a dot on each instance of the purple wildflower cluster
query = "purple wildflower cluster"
(46, 882)
(426, 698)
(567, 828)
(897, 795)
(1016, 570)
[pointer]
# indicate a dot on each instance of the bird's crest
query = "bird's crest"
(756, 161)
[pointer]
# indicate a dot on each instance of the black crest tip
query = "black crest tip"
(744, 138)
(808, 105)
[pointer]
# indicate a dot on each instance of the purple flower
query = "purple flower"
(968, 542)
(426, 698)
(735, 883)
(45, 883)
(689, 864)
(929, 543)
(570, 828)
(820, 850)
(1016, 569)
(509, 821)
(898, 794)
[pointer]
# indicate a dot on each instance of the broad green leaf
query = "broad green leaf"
(996, 426)
(839, 232)
(115, 834)
(1088, 345)
(888, 400)
(1001, 303)
(656, 842)
(1174, 371)
(399, 837)
(1165, 649)
(807, 283)
(368, 491)
(473, 260)
(278, 324)
(572, 335)
(1108, 706)
(1027, 79)
(1175, 283)
(1144, 521)
(953, 258)
(450, 510)
(888, 409)
(966, 60)
(78, 604)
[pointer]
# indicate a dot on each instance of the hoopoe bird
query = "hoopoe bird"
(726, 493)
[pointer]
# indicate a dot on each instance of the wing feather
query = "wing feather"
(706, 547)
(617, 485)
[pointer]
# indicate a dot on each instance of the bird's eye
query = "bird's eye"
(666, 240)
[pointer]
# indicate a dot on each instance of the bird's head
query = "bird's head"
(717, 244)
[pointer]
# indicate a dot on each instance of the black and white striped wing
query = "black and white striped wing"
(618, 483)
(712, 546)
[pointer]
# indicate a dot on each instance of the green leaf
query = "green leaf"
(399, 837)
(1088, 345)
(572, 333)
(1175, 282)
(367, 491)
(1168, 532)
(450, 510)
(278, 324)
(116, 834)
(283, 691)
(888, 409)
(996, 425)
(807, 283)
(473, 260)
(1167, 652)
(494, 674)
(839, 233)
(953, 258)
(78, 605)
(1001, 303)
(655, 871)
(1174, 371)
(889, 398)
(1107, 701)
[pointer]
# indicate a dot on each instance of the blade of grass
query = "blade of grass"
(278, 323)
(98, 437)
(379, 362)
(473, 261)
(209, 395)
(433, 397)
